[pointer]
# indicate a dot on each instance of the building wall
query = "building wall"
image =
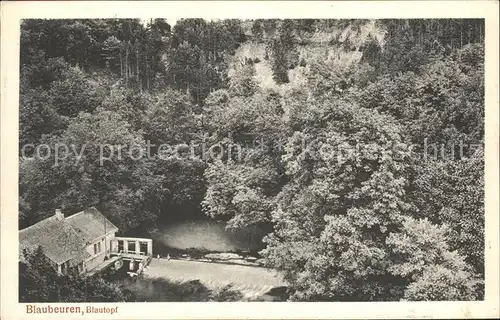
(98, 257)
(66, 267)
(138, 242)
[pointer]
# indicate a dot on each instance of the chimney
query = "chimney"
(59, 215)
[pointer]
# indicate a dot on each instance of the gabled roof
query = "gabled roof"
(90, 224)
(64, 239)
(59, 241)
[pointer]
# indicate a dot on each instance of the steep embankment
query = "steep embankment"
(338, 44)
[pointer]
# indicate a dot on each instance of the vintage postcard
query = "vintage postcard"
(171, 160)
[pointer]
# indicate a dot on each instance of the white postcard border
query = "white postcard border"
(13, 12)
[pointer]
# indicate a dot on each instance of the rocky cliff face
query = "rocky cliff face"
(338, 42)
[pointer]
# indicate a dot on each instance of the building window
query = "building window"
(99, 247)
(95, 248)
(131, 246)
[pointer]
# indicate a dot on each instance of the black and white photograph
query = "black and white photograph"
(250, 160)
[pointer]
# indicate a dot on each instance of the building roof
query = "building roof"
(58, 239)
(90, 224)
(64, 239)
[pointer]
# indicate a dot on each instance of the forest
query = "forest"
(323, 129)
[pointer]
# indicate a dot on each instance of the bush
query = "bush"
(227, 293)
(163, 290)
(442, 284)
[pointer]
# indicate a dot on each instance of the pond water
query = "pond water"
(182, 280)
(206, 234)
(178, 280)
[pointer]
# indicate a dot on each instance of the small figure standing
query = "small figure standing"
(168, 257)
(158, 256)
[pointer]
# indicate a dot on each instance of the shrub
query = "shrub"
(227, 293)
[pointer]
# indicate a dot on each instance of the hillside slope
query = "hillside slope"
(339, 44)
